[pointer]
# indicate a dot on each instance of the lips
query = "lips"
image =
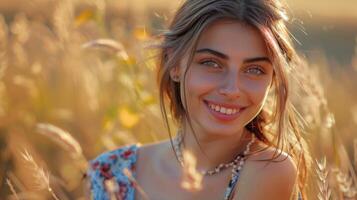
(224, 112)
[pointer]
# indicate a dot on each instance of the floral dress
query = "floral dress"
(110, 167)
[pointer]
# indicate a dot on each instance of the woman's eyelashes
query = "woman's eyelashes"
(253, 69)
(210, 63)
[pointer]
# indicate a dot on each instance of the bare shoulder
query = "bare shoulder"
(281, 161)
(152, 148)
(267, 179)
(154, 165)
(152, 153)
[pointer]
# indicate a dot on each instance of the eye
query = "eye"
(210, 63)
(255, 70)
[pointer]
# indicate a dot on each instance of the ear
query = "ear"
(175, 74)
(174, 71)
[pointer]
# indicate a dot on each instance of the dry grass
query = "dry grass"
(61, 137)
(355, 152)
(191, 178)
(40, 176)
(112, 188)
(322, 172)
(79, 75)
(12, 188)
(107, 45)
(137, 187)
(345, 182)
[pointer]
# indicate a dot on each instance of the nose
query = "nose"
(230, 87)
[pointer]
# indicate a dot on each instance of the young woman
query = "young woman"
(220, 63)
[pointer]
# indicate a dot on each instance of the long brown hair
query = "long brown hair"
(276, 125)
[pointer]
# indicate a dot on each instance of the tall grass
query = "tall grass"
(77, 80)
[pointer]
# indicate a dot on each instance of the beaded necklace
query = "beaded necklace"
(237, 163)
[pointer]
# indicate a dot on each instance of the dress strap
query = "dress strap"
(229, 193)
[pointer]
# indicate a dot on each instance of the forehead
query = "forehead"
(233, 38)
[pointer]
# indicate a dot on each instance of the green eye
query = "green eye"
(256, 71)
(210, 63)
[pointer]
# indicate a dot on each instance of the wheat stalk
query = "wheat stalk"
(345, 183)
(8, 182)
(355, 152)
(322, 172)
(130, 176)
(111, 186)
(191, 179)
(62, 137)
(62, 19)
(352, 191)
(16, 181)
(65, 140)
(107, 45)
(3, 33)
(42, 178)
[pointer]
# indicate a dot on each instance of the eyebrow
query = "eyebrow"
(224, 56)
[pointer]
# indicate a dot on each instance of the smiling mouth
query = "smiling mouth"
(229, 111)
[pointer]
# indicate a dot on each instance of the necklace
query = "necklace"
(237, 163)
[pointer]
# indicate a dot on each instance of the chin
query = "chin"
(222, 130)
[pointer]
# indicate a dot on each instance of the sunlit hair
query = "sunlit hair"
(276, 125)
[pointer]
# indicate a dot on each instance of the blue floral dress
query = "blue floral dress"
(110, 165)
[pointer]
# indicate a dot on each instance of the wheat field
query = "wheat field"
(77, 79)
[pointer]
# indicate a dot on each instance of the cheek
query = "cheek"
(257, 90)
(198, 83)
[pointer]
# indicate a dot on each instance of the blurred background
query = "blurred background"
(77, 79)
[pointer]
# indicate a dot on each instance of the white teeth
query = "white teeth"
(217, 108)
(227, 111)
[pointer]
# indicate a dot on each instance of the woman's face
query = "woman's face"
(229, 78)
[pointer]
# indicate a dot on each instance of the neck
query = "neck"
(215, 149)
